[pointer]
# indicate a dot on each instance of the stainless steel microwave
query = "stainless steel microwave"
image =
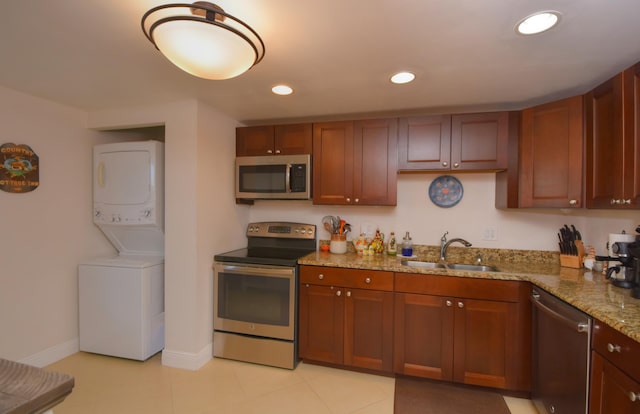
(285, 177)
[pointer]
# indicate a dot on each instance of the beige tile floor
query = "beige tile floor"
(118, 386)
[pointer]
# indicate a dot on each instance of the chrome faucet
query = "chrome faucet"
(444, 245)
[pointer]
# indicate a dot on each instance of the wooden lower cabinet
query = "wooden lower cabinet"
(471, 331)
(615, 372)
(346, 317)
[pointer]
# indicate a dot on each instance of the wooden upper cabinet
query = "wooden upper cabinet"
(613, 142)
(424, 143)
(354, 163)
(550, 155)
(274, 140)
(464, 142)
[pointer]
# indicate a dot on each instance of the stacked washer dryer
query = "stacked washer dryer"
(122, 298)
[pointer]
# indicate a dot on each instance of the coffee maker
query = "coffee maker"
(625, 269)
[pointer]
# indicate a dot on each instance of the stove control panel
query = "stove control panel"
(281, 229)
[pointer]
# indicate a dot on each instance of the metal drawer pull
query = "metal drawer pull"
(320, 276)
(634, 396)
(449, 303)
(338, 293)
(613, 348)
(460, 305)
(348, 293)
(367, 280)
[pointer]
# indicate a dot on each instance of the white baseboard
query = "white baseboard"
(184, 360)
(53, 354)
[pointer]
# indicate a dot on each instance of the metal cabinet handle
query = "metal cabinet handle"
(456, 165)
(627, 201)
(277, 151)
(449, 303)
(320, 276)
(269, 151)
(445, 164)
(348, 293)
(634, 396)
(573, 202)
(460, 305)
(613, 348)
(348, 200)
(357, 200)
(306, 285)
(338, 293)
(367, 280)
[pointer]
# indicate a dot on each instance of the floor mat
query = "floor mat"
(419, 396)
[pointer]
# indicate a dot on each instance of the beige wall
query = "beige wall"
(45, 233)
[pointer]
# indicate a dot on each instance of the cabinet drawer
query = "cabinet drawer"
(335, 276)
(618, 348)
(460, 287)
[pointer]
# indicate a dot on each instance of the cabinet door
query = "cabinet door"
(254, 141)
(610, 389)
(479, 141)
(484, 342)
(631, 172)
(368, 340)
(321, 323)
(551, 155)
(424, 143)
(293, 139)
(423, 336)
(604, 150)
(332, 162)
(375, 162)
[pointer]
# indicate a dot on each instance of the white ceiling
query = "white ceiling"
(336, 54)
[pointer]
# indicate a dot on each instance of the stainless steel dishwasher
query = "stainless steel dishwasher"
(561, 349)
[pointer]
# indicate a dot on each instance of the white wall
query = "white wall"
(516, 229)
(45, 233)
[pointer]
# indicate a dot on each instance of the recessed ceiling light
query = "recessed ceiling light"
(538, 22)
(403, 77)
(282, 90)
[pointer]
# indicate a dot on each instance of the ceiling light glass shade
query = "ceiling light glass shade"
(203, 40)
(538, 22)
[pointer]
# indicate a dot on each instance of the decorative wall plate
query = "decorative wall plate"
(445, 191)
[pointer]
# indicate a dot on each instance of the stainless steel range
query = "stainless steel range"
(255, 294)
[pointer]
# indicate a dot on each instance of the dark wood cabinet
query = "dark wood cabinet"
(546, 170)
(463, 330)
(615, 372)
(355, 162)
(346, 317)
(613, 142)
(274, 140)
(463, 142)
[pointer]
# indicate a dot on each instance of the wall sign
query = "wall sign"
(18, 168)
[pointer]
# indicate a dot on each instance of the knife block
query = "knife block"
(575, 262)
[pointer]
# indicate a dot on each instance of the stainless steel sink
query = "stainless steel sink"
(426, 265)
(477, 268)
(452, 266)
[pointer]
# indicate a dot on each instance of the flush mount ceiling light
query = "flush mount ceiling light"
(403, 77)
(538, 22)
(203, 40)
(282, 90)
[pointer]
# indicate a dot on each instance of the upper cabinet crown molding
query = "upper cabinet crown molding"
(462, 142)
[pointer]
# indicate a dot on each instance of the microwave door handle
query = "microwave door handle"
(287, 177)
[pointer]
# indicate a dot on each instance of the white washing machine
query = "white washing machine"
(122, 306)
(122, 298)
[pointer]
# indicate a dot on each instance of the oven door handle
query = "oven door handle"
(258, 271)
(582, 327)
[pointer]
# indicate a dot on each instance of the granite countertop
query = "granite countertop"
(586, 290)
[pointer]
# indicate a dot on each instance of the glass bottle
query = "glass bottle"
(407, 245)
(392, 248)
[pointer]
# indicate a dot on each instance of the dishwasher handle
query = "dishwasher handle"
(582, 327)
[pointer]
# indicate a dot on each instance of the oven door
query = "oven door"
(255, 300)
